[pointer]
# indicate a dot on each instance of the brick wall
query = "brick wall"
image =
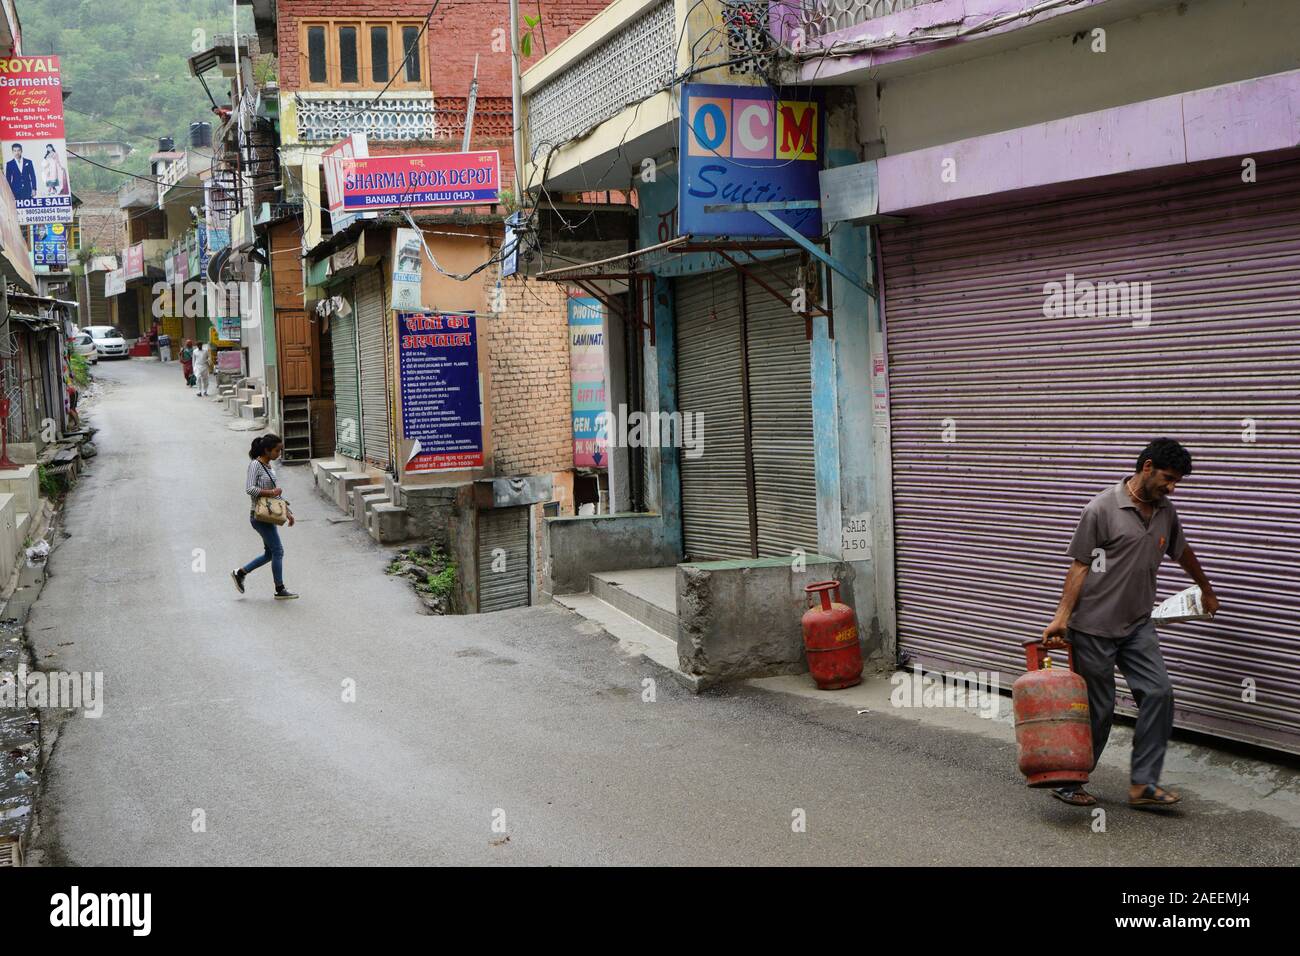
(528, 349)
(458, 30)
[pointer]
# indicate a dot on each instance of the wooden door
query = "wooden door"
(295, 348)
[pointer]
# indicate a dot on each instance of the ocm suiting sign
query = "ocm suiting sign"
(748, 144)
(421, 179)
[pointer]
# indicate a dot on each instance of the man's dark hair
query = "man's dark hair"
(17, 146)
(1167, 453)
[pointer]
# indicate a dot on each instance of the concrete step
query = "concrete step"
(320, 467)
(344, 482)
(387, 523)
(393, 489)
(252, 409)
(649, 598)
(360, 495)
(633, 637)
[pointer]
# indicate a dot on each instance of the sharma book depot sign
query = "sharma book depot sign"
(748, 144)
(421, 179)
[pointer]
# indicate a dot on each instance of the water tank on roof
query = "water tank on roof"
(200, 134)
(166, 144)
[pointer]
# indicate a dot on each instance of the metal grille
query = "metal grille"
(1046, 412)
(780, 413)
(820, 17)
(710, 361)
(10, 852)
(347, 389)
(747, 36)
(371, 317)
(633, 64)
(503, 562)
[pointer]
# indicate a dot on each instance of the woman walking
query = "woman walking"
(261, 483)
(187, 362)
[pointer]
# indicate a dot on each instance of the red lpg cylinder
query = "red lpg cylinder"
(830, 639)
(1053, 735)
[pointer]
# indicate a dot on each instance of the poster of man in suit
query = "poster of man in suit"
(32, 139)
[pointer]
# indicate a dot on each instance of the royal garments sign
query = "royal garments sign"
(31, 138)
(441, 412)
(748, 144)
(421, 179)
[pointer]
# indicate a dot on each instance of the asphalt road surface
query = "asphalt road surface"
(226, 715)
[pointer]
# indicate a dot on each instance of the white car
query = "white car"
(84, 345)
(108, 341)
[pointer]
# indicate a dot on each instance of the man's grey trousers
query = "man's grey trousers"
(1138, 658)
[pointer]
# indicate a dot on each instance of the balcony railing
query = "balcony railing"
(630, 64)
(820, 17)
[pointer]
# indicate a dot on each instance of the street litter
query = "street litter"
(37, 553)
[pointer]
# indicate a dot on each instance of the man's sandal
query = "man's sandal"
(1154, 796)
(1077, 797)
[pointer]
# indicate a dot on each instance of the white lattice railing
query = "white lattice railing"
(820, 17)
(330, 117)
(633, 63)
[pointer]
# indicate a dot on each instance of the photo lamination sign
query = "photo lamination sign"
(748, 144)
(441, 411)
(421, 179)
(31, 136)
(587, 376)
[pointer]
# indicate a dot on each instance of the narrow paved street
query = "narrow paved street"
(234, 706)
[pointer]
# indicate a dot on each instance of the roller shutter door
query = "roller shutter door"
(347, 391)
(780, 414)
(710, 359)
(503, 540)
(373, 354)
(1045, 412)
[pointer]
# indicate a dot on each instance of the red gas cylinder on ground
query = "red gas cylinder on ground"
(830, 639)
(1053, 734)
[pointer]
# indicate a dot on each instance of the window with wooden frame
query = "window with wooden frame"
(362, 55)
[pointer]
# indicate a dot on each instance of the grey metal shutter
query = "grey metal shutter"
(780, 415)
(710, 360)
(373, 354)
(505, 529)
(347, 390)
(1048, 412)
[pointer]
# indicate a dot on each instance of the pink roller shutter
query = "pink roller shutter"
(1049, 411)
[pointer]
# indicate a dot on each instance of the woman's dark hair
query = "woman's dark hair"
(1167, 453)
(263, 444)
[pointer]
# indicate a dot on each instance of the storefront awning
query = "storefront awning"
(610, 279)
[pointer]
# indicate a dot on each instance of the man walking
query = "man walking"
(201, 368)
(1105, 611)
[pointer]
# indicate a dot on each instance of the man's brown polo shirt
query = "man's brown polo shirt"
(1116, 601)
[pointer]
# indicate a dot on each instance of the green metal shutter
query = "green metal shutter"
(373, 353)
(780, 414)
(710, 359)
(347, 394)
(503, 541)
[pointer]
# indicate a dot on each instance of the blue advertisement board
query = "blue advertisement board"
(50, 245)
(748, 144)
(441, 411)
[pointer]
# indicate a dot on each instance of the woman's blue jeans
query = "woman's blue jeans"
(274, 552)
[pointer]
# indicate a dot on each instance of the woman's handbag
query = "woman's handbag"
(271, 510)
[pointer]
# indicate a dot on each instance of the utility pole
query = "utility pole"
(516, 110)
